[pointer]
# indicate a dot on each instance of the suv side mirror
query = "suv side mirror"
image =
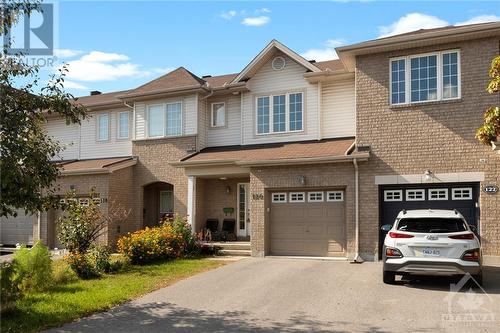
(386, 227)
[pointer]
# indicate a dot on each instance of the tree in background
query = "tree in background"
(489, 132)
(26, 150)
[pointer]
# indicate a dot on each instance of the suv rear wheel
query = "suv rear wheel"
(389, 277)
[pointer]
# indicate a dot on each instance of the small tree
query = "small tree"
(84, 224)
(490, 130)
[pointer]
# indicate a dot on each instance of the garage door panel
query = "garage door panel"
(307, 228)
(17, 229)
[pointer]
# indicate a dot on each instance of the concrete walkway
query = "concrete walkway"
(295, 295)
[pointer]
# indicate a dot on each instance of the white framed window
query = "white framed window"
(84, 201)
(297, 197)
(103, 127)
(393, 195)
(335, 196)
(315, 196)
(165, 120)
(278, 197)
(123, 125)
(438, 194)
(166, 202)
(280, 113)
(97, 201)
(415, 195)
(218, 115)
(62, 201)
(461, 193)
(425, 77)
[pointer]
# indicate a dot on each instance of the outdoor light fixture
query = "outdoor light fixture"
(228, 189)
(428, 175)
(302, 180)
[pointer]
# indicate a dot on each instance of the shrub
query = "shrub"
(99, 256)
(9, 288)
(81, 265)
(172, 239)
(33, 268)
(62, 273)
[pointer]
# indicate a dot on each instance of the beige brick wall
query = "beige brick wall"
(262, 180)
(121, 193)
(436, 136)
(153, 165)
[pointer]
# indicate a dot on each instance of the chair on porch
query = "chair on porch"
(228, 233)
(212, 229)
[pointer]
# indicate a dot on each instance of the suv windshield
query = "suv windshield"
(432, 225)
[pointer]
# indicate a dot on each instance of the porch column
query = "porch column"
(191, 202)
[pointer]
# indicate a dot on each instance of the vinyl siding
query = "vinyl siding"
(202, 123)
(269, 81)
(189, 115)
(67, 135)
(91, 148)
(338, 109)
(231, 133)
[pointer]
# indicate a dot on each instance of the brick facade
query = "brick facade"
(262, 180)
(438, 136)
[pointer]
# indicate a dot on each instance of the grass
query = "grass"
(65, 302)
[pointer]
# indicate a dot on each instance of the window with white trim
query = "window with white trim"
(415, 195)
(103, 127)
(297, 197)
(438, 194)
(280, 113)
(425, 78)
(461, 193)
(335, 196)
(218, 115)
(97, 201)
(393, 195)
(315, 197)
(84, 201)
(278, 197)
(165, 120)
(123, 125)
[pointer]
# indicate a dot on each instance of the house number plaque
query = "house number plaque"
(258, 196)
(490, 189)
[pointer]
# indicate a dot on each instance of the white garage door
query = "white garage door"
(309, 223)
(18, 229)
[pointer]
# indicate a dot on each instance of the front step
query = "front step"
(234, 248)
(235, 253)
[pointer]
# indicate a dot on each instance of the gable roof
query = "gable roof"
(106, 99)
(176, 80)
(265, 55)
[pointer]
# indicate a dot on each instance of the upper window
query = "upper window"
(218, 115)
(280, 113)
(165, 120)
(103, 127)
(425, 78)
(123, 125)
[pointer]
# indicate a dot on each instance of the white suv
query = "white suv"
(431, 242)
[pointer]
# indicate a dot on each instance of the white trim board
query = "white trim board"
(457, 177)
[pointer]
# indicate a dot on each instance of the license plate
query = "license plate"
(431, 252)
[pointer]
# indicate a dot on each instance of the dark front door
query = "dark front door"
(463, 197)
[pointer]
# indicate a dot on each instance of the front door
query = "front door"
(243, 210)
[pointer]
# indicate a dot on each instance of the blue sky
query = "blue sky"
(112, 45)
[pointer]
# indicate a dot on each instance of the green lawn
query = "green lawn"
(76, 299)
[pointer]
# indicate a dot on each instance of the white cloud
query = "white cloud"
(263, 11)
(228, 15)
(256, 21)
(326, 53)
(74, 85)
(480, 19)
(411, 22)
(66, 53)
(102, 66)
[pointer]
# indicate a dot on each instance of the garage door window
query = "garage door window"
(279, 197)
(393, 195)
(335, 196)
(415, 195)
(438, 194)
(297, 197)
(84, 201)
(462, 193)
(315, 196)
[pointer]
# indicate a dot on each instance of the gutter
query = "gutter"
(306, 160)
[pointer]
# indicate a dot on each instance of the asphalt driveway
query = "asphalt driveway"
(295, 295)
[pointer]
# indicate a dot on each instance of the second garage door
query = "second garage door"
(309, 223)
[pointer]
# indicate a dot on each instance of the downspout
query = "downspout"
(133, 118)
(357, 258)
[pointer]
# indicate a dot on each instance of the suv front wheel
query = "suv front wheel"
(389, 277)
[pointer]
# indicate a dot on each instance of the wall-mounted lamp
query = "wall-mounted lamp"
(428, 175)
(72, 187)
(228, 189)
(301, 180)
